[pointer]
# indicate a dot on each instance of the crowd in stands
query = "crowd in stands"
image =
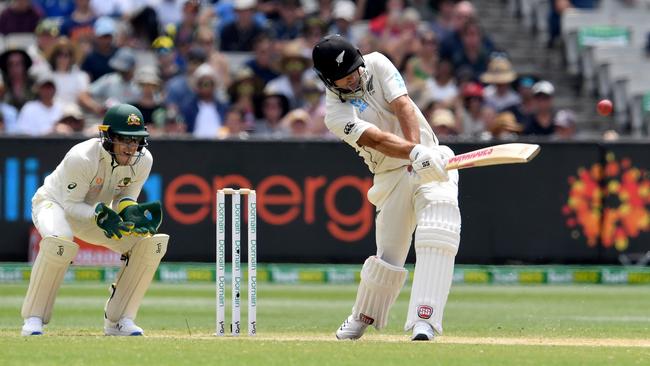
(241, 68)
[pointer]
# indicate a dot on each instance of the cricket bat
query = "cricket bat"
(494, 155)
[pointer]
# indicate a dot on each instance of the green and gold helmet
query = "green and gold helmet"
(123, 120)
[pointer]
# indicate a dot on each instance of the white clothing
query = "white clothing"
(501, 102)
(441, 93)
(65, 204)
(207, 122)
(37, 119)
(69, 85)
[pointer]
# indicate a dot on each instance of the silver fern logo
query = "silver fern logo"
(339, 58)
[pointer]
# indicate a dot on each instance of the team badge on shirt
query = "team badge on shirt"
(124, 182)
(133, 120)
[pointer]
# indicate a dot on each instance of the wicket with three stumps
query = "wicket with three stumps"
(236, 213)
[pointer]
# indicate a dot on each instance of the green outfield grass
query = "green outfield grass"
(484, 325)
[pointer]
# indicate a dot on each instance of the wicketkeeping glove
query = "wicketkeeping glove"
(428, 164)
(146, 217)
(110, 222)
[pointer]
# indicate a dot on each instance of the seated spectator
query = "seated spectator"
(442, 25)
(79, 25)
(421, 66)
(203, 114)
(399, 36)
(295, 70)
(235, 125)
(452, 42)
(9, 113)
(315, 30)
(444, 123)
(542, 120)
(38, 117)
(46, 32)
(476, 116)
(244, 91)
(96, 63)
(525, 91)
(177, 89)
(499, 93)
(169, 122)
(150, 99)
(185, 31)
(442, 87)
(163, 47)
(21, 16)
(262, 62)
(343, 18)
(271, 110)
(289, 24)
(205, 38)
(505, 126)
(297, 124)
(55, 9)
(565, 124)
(239, 35)
(70, 81)
(15, 64)
(314, 93)
(71, 122)
(115, 87)
(473, 53)
(145, 26)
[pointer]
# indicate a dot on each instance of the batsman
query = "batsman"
(92, 195)
(368, 107)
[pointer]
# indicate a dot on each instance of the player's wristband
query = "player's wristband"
(124, 203)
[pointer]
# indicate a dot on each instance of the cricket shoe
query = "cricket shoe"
(124, 327)
(351, 329)
(422, 331)
(32, 326)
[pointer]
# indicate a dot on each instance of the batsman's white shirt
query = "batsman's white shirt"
(349, 120)
(86, 176)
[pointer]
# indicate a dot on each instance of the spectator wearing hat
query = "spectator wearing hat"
(499, 93)
(46, 33)
(263, 56)
(239, 34)
(565, 124)
(168, 58)
(343, 17)
(315, 29)
(79, 25)
(70, 81)
(505, 126)
(272, 108)
(244, 91)
(177, 89)
(21, 16)
(71, 122)
(206, 39)
(38, 117)
(295, 71)
(443, 123)
(96, 63)
(15, 65)
(150, 98)
(314, 95)
(115, 87)
(8, 112)
(298, 124)
(524, 86)
(204, 114)
(476, 115)
(289, 24)
(542, 120)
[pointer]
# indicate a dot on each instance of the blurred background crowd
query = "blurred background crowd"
(242, 68)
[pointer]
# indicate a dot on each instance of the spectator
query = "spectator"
(565, 124)
(169, 11)
(15, 64)
(71, 122)
(262, 62)
(442, 87)
(235, 125)
(343, 18)
(323, 10)
(150, 99)
(115, 87)
(297, 124)
(475, 115)
(56, 9)
(21, 16)
(46, 32)
(69, 80)
(79, 25)
(315, 29)
(444, 123)
(8, 112)
(169, 122)
(499, 93)
(423, 7)
(239, 35)
(96, 63)
(203, 114)
(421, 67)
(443, 23)
(289, 25)
(314, 93)
(505, 126)
(178, 90)
(38, 117)
(542, 120)
(473, 53)
(205, 38)
(244, 91)
(452, 43)
(185, 30)
(525, 91)
(272, 109)
(295, 67)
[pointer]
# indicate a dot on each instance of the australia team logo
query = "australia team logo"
(133, 120)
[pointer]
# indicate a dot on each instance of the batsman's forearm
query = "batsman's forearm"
(404, 110)
(79, 210)
(387, 143)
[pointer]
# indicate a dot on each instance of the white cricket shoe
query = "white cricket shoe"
(32, 326)
(422, 331)
(124, 327)
(351, 329)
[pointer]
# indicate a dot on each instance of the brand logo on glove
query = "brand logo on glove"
(348, 128)
(159, 246)
(72, 185)
(366, 319)
(425, 311)
(60, 251)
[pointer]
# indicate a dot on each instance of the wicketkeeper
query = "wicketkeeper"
(92, 195)
(368, 107)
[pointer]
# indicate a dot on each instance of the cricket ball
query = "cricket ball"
(604, 107)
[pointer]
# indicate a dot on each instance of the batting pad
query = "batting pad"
(436, 244)
(49, 268)
(380, 284)
(135, 276)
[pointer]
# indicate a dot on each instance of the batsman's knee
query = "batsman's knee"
(439, 227)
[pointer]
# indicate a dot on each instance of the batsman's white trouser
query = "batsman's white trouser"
(433, 209)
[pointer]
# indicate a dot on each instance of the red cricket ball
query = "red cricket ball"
(604, 107)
